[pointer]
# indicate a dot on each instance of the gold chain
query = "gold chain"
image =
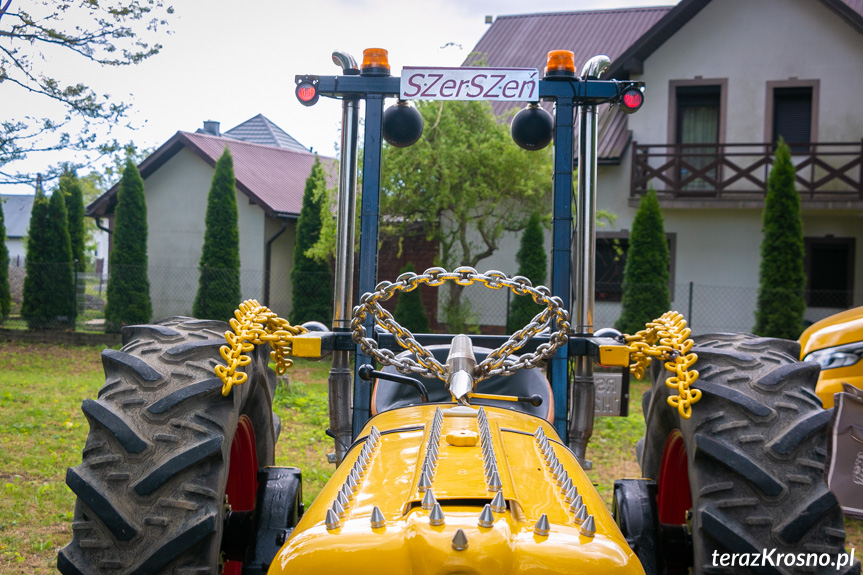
(255, 325)
(668, 338)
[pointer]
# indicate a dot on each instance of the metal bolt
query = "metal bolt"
(377, 518)
(542, 527)
(486, 518)
(459, 540)
(498, 504)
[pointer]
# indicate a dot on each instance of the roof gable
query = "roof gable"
(16, 214)
(260, 130)
(272, 177)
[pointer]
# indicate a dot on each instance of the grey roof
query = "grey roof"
(261, 130)
(16, 214)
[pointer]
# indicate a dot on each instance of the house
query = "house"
(16, 219)
(725, 79)
(270, 168)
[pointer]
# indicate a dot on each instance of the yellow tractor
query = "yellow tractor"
(458, 456)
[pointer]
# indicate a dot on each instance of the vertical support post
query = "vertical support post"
(369, 225)
(583, 388)
(561, 248)
(339, 381)
(689, 315)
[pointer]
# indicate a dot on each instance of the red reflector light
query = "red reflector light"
(307, 93)
(631, 100)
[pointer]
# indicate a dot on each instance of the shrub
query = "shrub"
(646, 294)
(781, 281)
(219, 284)
(311, 278)
(49, 289)
(532, 263)
(128, 285)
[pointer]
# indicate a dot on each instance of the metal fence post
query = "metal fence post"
(689, 313)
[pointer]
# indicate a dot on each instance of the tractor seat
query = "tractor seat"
(387, 395)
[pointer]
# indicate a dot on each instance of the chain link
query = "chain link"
(254, 324)
(498, 362)
(667, 338)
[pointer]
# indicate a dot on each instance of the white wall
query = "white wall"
(748, 43)
(176, 205)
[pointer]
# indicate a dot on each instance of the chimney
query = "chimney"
(211, 128)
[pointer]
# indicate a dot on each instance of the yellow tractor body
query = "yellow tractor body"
(408, 542)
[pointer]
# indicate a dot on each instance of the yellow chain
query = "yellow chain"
(255, 325)
(668, 338)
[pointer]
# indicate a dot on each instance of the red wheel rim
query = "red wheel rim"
(674, 498)
(242, 477)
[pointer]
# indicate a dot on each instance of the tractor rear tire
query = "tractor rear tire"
(745, 474)
(164, 448)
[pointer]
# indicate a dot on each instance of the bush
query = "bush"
(219, 284)
(532, 264)
(646, 294)
(49, 288)
(5, 295)
(128, 285)
(74, 198)
(410, 312)
(781, 278)
(311, 278)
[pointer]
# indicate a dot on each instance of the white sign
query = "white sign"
(512, 84)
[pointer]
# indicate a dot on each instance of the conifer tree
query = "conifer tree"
(219, 284)
(5, 295)
(781, 283)
(532, 264)
(71, 188)
(49, 290)
(128, 285)
(410, 313)
(646, 294)
(311, 278)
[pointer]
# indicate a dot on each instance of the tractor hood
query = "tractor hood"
(377, 513)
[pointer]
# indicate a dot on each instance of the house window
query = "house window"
(792, 117)
(611, 248)
(792, 112)
(829, 265)
(698, 117)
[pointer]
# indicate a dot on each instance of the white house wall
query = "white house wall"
(748, 43)
(176, 206)
(282, 261)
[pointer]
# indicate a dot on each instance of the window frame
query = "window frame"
(771, 86)
(671, 237)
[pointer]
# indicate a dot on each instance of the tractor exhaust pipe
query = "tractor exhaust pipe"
(341, 376)
(583, 394)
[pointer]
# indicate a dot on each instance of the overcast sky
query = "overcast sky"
(228, 61)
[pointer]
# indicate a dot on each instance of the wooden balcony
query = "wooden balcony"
(829, 175)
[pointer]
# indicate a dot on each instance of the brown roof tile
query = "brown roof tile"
(272, 177)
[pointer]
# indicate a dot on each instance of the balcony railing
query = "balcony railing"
(825, 171)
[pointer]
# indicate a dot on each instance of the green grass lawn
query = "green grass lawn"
(42, 432)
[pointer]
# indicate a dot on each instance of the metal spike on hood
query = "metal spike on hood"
(338, 508)
(542, 527)
(436, 517)
(498, 504)
(429, 500)
(571, 494)
(588, 528)
(377, 518)
(459, 540)
(332, 520)
(424, 482)
(577, 503)
(581, 515)
(486, 517)
(566, 486)
(494, 483)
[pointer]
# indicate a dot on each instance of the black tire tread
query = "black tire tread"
(150, 486)
(755, 445)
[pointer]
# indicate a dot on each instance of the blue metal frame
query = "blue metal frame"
(567, 93)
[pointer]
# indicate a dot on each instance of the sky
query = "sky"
(229, 61)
